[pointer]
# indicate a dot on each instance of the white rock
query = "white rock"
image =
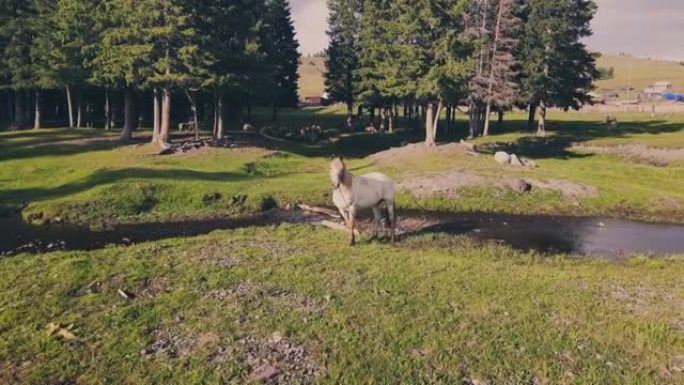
(502, 157)
(515, 161)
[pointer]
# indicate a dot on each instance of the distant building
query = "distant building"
(658, 89)
(313, 101)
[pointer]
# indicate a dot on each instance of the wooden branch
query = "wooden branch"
(337, 226)
(319, 210)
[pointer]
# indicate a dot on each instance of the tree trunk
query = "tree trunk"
(18, 110)
(472, 119)
(390, 120)
(79, 111)
(541, 128)
(532, 112)
(488, 112)
(350, 115)
(436, 123)
(126, 133)
(449, 112)
(107, 112)
(156, 111)
(429, 129)
(193, 110)
(383, 119)
(490, 86)
(220, 114)
(165, 123)
(501, 118)
(70, 107)
(36, 120)
(373, 122)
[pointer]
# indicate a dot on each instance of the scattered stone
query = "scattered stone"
(515, 161)
(502, 157)
(521, 186)
(527, 162)
(264, 373)
(248, 128)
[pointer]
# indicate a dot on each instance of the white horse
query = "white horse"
(353, 193)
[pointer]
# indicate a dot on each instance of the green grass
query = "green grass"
(429, 310)
(80, 176)
(311, 76)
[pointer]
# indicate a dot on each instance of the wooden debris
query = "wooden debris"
(123, 294)
(338, 226)
(319, 210)
(56, 329)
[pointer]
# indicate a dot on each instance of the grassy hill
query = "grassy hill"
(640, 72)
(311, 72)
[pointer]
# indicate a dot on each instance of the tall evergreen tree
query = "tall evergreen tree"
(18, 66)
(341, 77)
(123, 53)
(556, 67)
(281, 48)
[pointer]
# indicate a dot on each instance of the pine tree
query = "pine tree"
(18, 66)
(123, 53)
(556, 68)
(281, 48)
(501, 74)
(341, 77)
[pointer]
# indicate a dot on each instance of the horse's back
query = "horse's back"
(380, 182)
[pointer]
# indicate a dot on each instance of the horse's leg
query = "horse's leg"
(351, 224)
(392, 217)
(377, 217)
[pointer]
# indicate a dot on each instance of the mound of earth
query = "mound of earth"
(449, 183)
(387, 156)
(639, 153)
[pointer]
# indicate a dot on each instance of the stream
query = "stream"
(578, 236)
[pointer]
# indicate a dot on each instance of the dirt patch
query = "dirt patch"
(567, 188)
(638, 153)
(389, 156)
(153, 287)
(278, 360)
(449, 183)
(251, 292)
(168, 344)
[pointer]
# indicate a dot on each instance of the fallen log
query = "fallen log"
(319, 210)
(337, 226)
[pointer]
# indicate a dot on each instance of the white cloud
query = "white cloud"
(311, 21)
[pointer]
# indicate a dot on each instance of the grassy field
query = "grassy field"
(81, 177)
(295, 302)
(311, 72)
(640, 72)
(431, 310)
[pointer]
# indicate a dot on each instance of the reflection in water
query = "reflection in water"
(592, 237)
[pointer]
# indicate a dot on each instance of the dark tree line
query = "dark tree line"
(426, 56)
(111, 62)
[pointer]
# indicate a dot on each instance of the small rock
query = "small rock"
(502, 157)
(276, 337)
(527, 162)
(515, 161)
(521, 186)
(264, 373)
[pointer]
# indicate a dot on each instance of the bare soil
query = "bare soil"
(639, 153)
(449, 183)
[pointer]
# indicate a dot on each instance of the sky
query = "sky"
(646, 28)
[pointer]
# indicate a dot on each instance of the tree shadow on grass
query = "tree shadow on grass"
(566, 134)
(102, 177)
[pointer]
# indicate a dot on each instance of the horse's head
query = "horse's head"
(337, 170)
